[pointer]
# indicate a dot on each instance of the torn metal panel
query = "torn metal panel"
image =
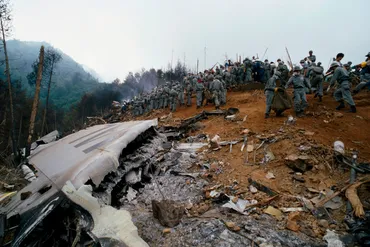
(88, 154)
(109, 223)
(51, 137)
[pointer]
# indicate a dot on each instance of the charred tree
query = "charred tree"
(52, 57)
(35, 100)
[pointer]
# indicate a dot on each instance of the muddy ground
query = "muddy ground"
(230, 171)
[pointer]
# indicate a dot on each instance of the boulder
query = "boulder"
(167, 212)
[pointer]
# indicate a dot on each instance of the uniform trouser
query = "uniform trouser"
(160, 103)
(248, 77)
(155, 104)
(318, 83)
(300, 101)
(199, 98)
(223, 97)
(165, 102)
(307, 90)
(140, 110)
(188, 94)
(362, 84)
(269, 97)
(181, 98)
(239, 80)
(343, 93)
(173, 104)
(216, 95)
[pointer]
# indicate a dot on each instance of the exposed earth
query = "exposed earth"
(229, 171)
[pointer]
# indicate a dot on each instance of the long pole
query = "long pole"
(264, 53)
(205, 57)
(291, 63)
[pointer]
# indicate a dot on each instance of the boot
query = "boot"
(316, 94)
(279, 113)
(267, 115)
(340, 106)
(355, 92)
(320, 98)
(352, 109)
(217, 108)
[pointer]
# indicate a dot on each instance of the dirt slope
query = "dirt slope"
(318, 130)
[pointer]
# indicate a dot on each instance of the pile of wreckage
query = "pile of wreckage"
(139, 184)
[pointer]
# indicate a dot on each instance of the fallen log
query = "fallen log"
(351, 194)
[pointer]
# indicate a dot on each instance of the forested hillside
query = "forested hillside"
(74, 93)
(70, 80)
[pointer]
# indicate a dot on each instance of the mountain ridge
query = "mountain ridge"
(70, 80)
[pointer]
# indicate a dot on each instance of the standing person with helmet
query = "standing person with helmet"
(199, 89)
(317, 79)
(216, 88)
(267, 70)
(224, 90)
(173, 97)
(342, 93)
(269, 92)
(284, 72)
(189, 91)
(299, 84)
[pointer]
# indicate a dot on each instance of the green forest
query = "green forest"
(74, 94)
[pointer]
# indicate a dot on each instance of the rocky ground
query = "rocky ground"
(286, 192)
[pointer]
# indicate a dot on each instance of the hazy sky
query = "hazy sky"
(114, 37)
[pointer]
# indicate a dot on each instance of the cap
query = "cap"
(310, 51)
(334, 64)
(297, 68)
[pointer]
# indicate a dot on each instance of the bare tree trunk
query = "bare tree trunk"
(47, 101)
(7, 73)
(35, 101)
(20, 129)
(55, 120)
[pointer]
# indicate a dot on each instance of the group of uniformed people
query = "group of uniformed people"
(168, 95)
(211, 86)
(310, 76)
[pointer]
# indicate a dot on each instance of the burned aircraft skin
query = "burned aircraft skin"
(58, 208)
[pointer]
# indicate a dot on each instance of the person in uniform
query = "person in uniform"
(269, 92)
(299, 84)
(342, 93)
